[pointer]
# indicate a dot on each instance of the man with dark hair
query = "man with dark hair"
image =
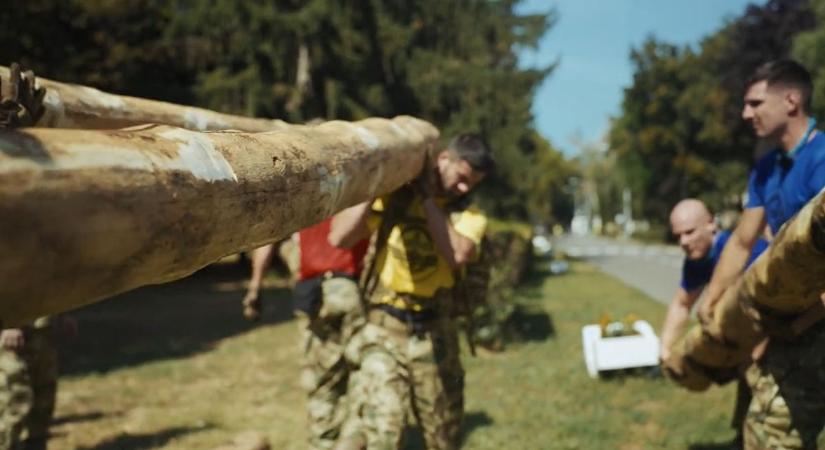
(474, 151)
(408, 350)
(785, 74)
(788, 406)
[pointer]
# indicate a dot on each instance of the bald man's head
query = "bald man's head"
(693, 225)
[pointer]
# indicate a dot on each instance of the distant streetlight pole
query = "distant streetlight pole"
(627, 212)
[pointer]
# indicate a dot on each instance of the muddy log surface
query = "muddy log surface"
(88, 214)
(75, 106)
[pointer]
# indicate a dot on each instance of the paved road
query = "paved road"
(653, 269)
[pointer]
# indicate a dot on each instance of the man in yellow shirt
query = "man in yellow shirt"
(408, 351)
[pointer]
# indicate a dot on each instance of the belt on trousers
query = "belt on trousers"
(410, 322)
(405, 301)
(335, 274)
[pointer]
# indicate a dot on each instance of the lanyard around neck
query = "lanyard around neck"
(811, 125)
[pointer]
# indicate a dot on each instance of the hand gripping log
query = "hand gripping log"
(87, 214)
(777, 297)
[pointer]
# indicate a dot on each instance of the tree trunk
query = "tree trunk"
(76, 106)
(87, 214)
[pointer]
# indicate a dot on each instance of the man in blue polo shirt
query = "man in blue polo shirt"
(788, 381)
(700, 238)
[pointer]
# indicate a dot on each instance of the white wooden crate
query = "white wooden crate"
(622, 352)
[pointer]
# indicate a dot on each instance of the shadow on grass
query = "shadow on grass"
(622, 375)
(472, 421)
(140, 441)
(534, 278)
(77, 418)
(529, 323)
(171, 320)
(728, 445)
(539, 271)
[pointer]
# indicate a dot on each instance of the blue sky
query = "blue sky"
(592, 40)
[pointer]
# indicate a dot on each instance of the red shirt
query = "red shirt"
(318, 256)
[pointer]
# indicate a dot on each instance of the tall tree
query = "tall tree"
(453, 63)
(807, 47)
(680, 131)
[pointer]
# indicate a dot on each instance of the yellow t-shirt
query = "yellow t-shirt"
(410, 262)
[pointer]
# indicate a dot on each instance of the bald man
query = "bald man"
(699, 236)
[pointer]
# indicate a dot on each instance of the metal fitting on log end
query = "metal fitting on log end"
(21, 103)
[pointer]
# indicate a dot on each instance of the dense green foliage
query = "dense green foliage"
(679, 132)
(451, 62)
(807, 48)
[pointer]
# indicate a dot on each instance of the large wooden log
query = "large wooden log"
(779, 295)
(75, 106)
(86, 214)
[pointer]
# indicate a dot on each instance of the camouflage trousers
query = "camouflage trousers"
(324, 371)
(28, 387)
(788, 384)
(401, 371)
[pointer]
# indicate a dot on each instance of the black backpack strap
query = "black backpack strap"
(395, 208)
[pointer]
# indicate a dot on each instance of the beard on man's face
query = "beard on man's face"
(438, 181)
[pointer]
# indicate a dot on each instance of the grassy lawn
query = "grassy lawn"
(175, 367)
(536, 395)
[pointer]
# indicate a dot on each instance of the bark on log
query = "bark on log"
(783, 286)
(87, 214)
(75, 106)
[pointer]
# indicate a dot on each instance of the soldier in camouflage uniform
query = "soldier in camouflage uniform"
(28, 385)
(408, 350)
(324, 371)
(788, 406)
(28, 357)
(328, 311)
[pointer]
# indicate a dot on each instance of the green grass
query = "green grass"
(175, 367)
(536, 395)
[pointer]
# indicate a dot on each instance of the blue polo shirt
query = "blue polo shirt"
(697, 272)
(783, 183)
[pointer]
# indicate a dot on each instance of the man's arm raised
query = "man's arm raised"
(733, 258)
(350, 226)
(456, 248)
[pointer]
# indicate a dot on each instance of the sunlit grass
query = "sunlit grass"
(535, 395)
